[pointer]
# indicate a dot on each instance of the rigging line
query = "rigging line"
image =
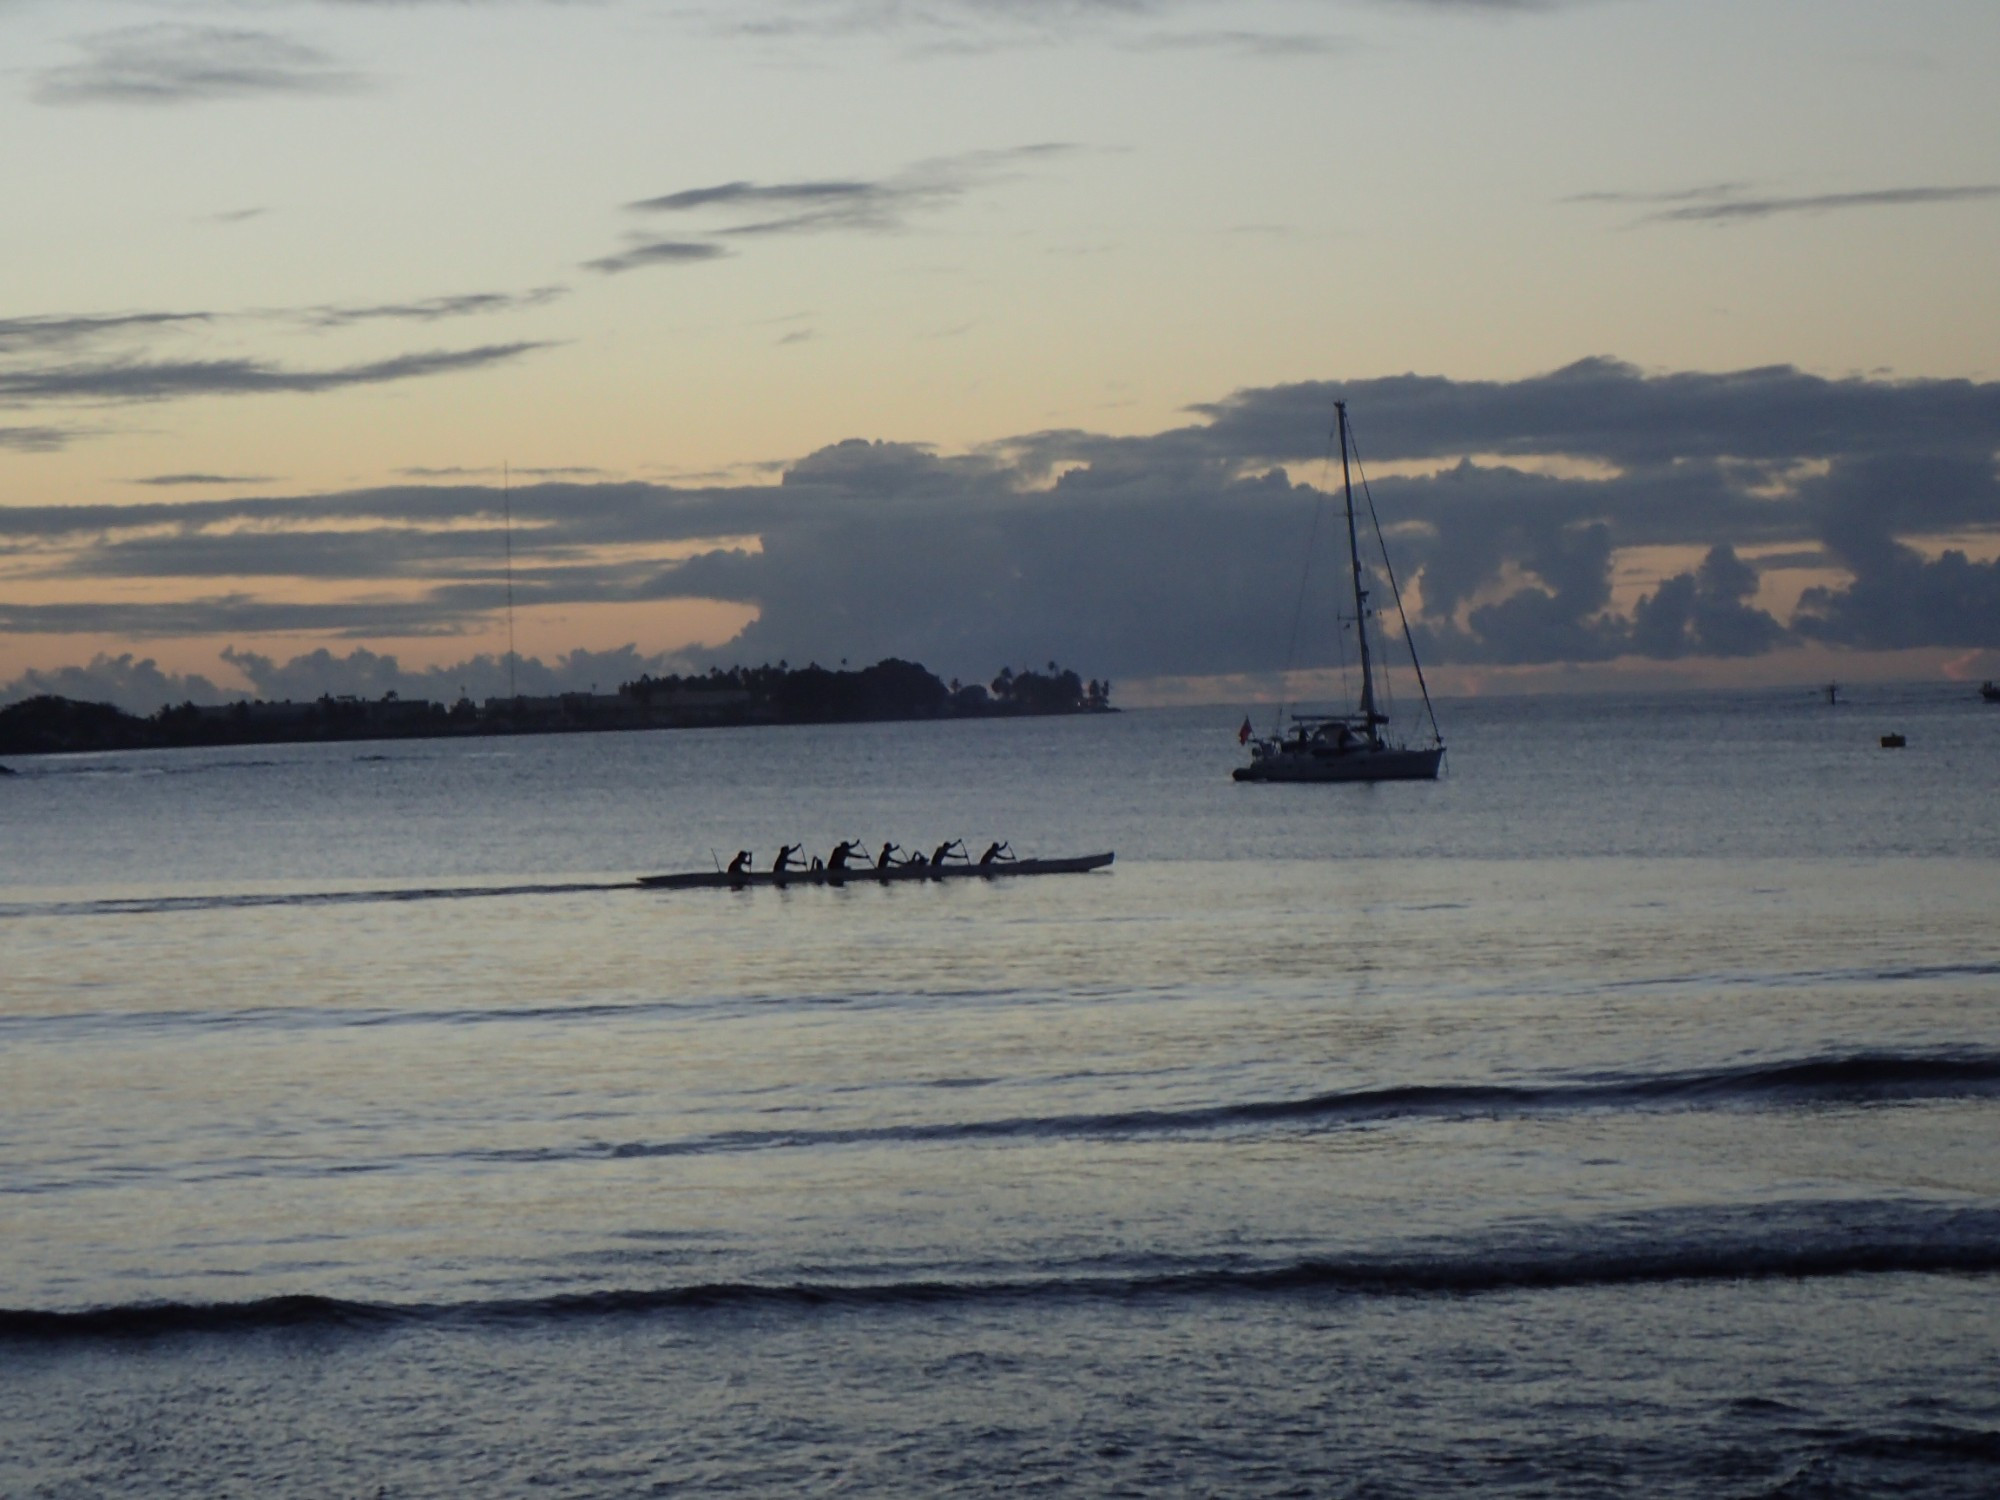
(1395, 590)
(1346, 664)
(1305, 578)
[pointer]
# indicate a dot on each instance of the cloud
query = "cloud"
(1734, 203)
(173, 481)
(1737, 210)
(1276, 45)
(656, 253)
(378, 553)
(161, 380)
(135, 684)
(1705, 613)
(31, 335)
(1863, 512)
(1898, 600)
(962, 23)
(849, 205)
(434, 309)
(99, 359)
(1511, 570)
(367, 674)
(1612, 413)
(173, 63)
(140, 685)
(35, 439)
(110, 358)
(222, 614)
(789, 195)
(973, 26)
(19, 335)
(742, 210)
(1510, 506)
(1498, 7)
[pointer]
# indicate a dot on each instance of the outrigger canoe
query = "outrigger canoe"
(864, 874)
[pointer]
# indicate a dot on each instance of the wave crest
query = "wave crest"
(1949, 1244)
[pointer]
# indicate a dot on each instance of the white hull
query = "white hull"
(1324, 763)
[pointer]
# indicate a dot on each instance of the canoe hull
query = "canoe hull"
(869, 875)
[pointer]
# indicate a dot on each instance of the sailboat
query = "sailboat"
(1351, 746)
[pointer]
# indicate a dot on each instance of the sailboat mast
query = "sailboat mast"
(507, 509)
(1369, 717)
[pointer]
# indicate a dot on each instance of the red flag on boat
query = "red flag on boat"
(1243, 734)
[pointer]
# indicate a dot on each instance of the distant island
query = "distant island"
(889, 690)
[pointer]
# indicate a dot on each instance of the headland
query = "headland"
(890, 690)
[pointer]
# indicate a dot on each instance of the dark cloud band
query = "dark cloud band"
(171, 63)
(164, 380)
(1736, 203)
(1169, 554)
(656, 253)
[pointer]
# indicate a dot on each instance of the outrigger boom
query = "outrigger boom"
(874, 874)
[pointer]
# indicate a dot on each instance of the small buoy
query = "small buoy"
(1892, 742)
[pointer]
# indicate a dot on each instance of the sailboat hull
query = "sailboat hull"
(1317, 763)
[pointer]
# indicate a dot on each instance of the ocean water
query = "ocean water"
(1617, 1116)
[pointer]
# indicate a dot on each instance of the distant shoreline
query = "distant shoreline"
(891, 691)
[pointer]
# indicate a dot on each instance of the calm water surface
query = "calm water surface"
(1616, 1116)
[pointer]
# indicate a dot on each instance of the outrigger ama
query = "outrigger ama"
(948, 862)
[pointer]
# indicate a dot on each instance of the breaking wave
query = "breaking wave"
(1864, 1078)
(1965, 1244)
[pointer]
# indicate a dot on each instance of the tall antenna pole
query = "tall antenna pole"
(507, 511)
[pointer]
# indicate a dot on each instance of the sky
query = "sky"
(993, 332)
